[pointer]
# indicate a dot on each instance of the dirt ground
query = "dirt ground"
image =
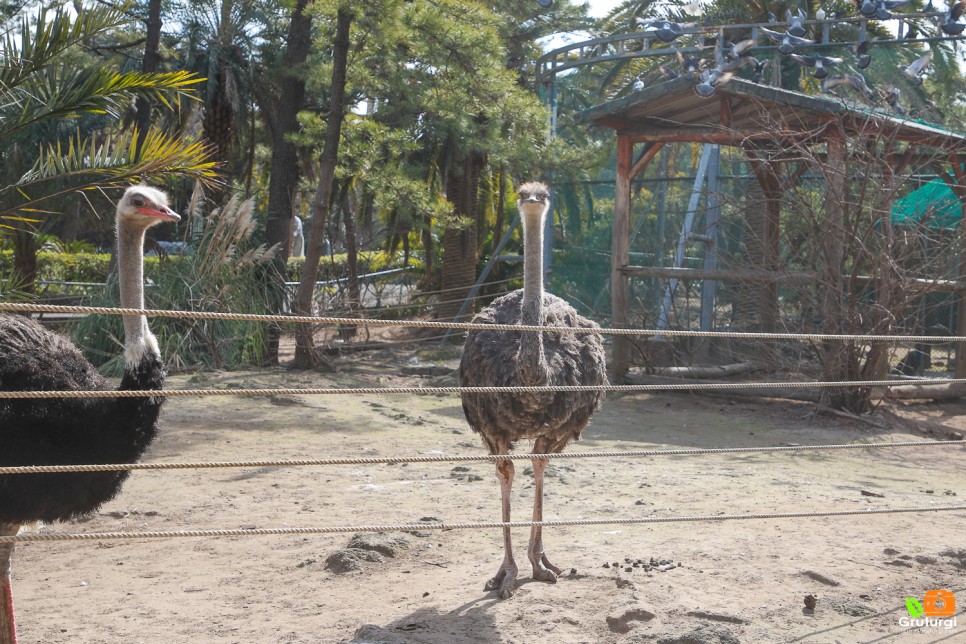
(684, 582)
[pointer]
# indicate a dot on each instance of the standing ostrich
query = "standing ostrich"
(66, 431)
(513, 358)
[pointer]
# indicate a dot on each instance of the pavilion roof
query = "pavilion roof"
(741, 111)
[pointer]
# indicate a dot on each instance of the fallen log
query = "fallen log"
(704, 371)
(925, 391)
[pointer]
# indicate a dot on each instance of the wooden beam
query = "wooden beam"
(704, 135)
(647, 155)
(780, 277)
(725, 111)
(620, 254)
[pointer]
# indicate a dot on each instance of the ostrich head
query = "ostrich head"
(143, 207)
(534, 202)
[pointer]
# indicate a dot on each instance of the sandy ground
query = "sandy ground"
(731, 581)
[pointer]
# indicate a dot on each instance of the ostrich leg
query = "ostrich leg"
(543, 570)
(506, 576)
(8, 630)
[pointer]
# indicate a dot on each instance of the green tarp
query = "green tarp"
(933, 205)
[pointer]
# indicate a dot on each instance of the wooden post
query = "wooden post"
(771, 188)
(620, 255)
(831, 287)
(959, 172)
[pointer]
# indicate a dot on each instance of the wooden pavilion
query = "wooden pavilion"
(763, 121)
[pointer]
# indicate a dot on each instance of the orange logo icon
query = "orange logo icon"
(939, 603)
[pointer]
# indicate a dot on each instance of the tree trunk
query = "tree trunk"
(25, 260)
(150, 64)
(459, 244)
(306, 356)
(352, 260)
(285, 167)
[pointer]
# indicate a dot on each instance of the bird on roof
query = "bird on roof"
(795, 20)
(821, 63)
(690, 65)
(891, 97)
(667, 72)
(861, 50)
(915, 70)
(665, 30)
(854, 81)
(638, 84)
(950, 24)
(760, 66)
(710, 79)
(786, 42)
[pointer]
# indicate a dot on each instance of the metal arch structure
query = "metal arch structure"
(639, 44)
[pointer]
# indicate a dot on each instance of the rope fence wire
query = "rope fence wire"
(396, 460)
(414, 527)
(349, 391)
(430, 324)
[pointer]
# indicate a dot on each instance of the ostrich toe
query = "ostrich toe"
(504, 581)
(543, 570)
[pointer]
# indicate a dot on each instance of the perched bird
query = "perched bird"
(638, 84)
(67, 431)
(667, 72)
(664, 30)
(760, 66)
(950, 24)
(530, 359)
(891, 97)
(795, 20)
(821, 63)
(786, 42)
(861, 50)
(854, 81)
(710, 78)
(690, 65)
(867, 8)
(914, 71)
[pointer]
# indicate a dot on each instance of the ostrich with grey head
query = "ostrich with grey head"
(72, 431)
(534, 359)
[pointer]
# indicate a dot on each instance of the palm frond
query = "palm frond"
(106, 161)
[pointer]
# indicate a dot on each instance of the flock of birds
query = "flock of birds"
(729, 57)
(65, 431)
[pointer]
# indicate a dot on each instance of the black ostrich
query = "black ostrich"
(69, 431)
(512, 358)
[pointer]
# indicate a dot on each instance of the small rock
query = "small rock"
(890, 551)
(703, 634)
(819, 577)
(954, 436)
(925, 559)
(626, 620)
(810, 602)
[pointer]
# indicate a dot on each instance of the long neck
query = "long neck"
(531, 361)
(130, 260)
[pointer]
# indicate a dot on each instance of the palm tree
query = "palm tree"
(56, 119)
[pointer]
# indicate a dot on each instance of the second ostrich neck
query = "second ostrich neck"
(138, 339)
(531, 359)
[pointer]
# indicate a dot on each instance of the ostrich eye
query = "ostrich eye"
(138, 202)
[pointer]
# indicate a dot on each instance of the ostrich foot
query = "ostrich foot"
(543, 570)
(504, 581)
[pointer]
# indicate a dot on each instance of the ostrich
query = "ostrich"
(512, 358)
(76, 430)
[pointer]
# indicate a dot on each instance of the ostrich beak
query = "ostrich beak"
(161, 212)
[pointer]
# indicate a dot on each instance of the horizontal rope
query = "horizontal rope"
(412, 527)
(396, 460)
(347, 391)
(333, 321)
